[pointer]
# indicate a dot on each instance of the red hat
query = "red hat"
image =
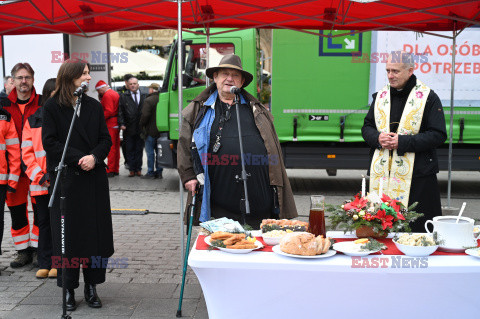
(100, 84)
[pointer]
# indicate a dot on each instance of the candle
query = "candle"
(363, 186)
(380, 188)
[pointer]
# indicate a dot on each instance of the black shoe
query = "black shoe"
(24, 257)
(148, 176)
(91, 296)
(110, 174)
(159, 175)
(116, 173)
(71, 304)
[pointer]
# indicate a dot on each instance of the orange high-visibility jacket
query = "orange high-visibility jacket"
(33, 154)
(9, 152)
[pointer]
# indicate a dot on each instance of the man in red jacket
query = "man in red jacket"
(110, 111)
(21, 103)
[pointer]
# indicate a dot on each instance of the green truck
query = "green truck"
(319, 97)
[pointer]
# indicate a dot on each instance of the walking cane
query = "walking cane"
(185, 260)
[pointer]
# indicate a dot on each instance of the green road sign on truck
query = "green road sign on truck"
(320, 93)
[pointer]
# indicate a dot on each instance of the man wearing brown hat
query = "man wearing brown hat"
(148, 124)
(209, 151)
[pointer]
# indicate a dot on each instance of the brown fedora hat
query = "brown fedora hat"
(231, 61)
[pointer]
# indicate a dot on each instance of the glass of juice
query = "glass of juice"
(317, 215)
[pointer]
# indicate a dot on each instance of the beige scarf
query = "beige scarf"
(396, 170)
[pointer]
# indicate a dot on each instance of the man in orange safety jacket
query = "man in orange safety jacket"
(9, 162)
(21, 103)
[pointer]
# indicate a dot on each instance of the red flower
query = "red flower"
(387, 220)
(419, 94)
(385, 198)
(383, 94)
(394, 204)
(400, 216)
(358, 204)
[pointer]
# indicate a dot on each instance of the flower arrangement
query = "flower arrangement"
(381, 215)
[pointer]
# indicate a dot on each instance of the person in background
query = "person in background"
(129, 110)
(148, 123)
(404, 126)
(109, 102)
(88, 221)
(120, 91)
(9, 162)
(33, 156)
(8, 86)
(21, 103)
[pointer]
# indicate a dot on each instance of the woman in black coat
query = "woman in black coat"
(88, 222)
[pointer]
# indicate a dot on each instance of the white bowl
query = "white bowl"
(272, 241)
(416, 251)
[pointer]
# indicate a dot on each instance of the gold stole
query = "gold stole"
(396, 170)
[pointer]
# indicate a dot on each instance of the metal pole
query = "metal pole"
(207, 48)
(180, 108)
(450, 155)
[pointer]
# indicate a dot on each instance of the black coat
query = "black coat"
(432, 132)
(129, 113)
(148, 119)
(88, 221)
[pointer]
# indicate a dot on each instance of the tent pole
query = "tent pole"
(454, 41)
(180, 108)
(207, 49)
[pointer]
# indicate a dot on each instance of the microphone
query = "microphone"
(82, 88)
(234, 90)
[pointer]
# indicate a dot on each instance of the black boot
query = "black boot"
(71, 304)
(91, 296)
(23, 258)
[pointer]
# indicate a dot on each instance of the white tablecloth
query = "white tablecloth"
(267, 285)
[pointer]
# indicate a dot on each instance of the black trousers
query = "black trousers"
(134, 148)
(45, 246)
(3, 195)
(426, 192)
(92, 276)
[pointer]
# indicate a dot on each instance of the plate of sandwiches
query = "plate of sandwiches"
(233, 243)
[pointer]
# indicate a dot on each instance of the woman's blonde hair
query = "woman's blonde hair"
(69, 71)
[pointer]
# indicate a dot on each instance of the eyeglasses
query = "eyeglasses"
(26, 78)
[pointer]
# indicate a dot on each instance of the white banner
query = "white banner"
(433, 62)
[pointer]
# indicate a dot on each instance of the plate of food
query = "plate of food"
(474, 252)
(233, 243)
(304, 245)
(276, 249)
(359, 247)
(416, 245)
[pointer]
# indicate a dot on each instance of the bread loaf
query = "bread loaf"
(304, 244)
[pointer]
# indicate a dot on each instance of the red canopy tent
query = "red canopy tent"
(99, 17)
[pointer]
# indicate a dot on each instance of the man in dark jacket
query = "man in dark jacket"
(148, 123)
(129, 110)
(404, 126)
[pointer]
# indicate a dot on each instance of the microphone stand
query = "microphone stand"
(244, 203)
(61, 170)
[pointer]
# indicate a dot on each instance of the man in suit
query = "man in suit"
(129, 111)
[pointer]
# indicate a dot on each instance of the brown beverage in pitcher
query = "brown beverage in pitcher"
(316, 219)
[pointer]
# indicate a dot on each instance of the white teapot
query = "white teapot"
(456, 236)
